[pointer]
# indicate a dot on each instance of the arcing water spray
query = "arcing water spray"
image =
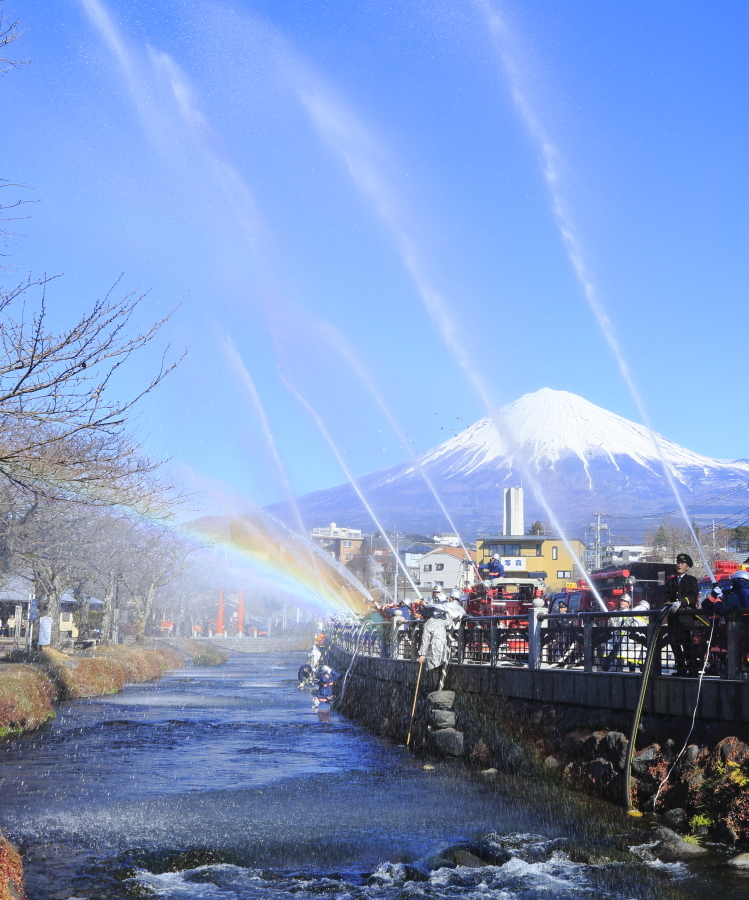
(352, 481)
(552, 168)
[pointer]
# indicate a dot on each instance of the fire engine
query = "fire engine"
(723, 569)
(503, 596)
(641, 580)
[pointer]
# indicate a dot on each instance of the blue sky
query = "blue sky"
(302, 174)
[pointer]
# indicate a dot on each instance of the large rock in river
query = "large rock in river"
(447, 741)
(441, 699)
(672, 848)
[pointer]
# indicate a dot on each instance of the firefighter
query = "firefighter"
(494, 568)
(682, 593)
(614, 658)
(325, 686)
(735, 598)
(443, 615)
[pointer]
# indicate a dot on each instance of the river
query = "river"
(224, 784)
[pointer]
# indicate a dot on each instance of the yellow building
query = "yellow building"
(533, 556)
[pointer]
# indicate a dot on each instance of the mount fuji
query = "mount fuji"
(584, 459)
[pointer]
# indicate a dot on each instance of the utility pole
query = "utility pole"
(597, 528)
(396, 535)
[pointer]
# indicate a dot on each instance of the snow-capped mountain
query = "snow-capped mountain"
(583, 458)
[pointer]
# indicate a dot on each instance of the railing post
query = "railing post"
(461, 642)
(383, 641)
(414, 649)
(493, 637)
(588, 644)
(534, 634)
(654, 634)
(733, 655)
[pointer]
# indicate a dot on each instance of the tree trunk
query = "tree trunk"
(53, 610)
(106, 622)
(83, 626)
(147, 607)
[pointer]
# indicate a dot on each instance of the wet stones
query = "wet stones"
(602, 771)
(573, 743)
(441, 699)
(676, 818)
(732, 750)
(592, 743)
(441, 718)
(469, 854)
(644, 760)
(672, 848)
(443, 738)
(447, 741)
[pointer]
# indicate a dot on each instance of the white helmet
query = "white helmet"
(740, 574)
(326, 670)
(455, 594)
(496, 556)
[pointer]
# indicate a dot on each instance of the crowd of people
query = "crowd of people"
(620, 643)
(695, 629)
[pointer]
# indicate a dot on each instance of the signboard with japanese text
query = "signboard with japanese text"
(45, 630)
(516, 563)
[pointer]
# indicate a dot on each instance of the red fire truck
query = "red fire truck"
(723, 570)
(503, 596)
(641, 580)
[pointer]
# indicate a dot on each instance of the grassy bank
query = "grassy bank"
(202, 654)
(11, 872)
(107, 672)
(28, 691)
(26, 696)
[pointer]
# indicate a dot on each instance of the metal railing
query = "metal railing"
(589, 642)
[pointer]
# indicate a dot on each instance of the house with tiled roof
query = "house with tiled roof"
(447, 567)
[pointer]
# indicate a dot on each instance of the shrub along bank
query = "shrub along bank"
(108, 672)
(11, 872)
(26, 696)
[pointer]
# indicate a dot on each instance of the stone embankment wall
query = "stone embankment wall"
(704, 794)
(28, 693)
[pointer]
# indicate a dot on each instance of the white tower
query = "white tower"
(513, 517)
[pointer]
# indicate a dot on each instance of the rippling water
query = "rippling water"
(225, 784)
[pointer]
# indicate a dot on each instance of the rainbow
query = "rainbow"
(286, 564)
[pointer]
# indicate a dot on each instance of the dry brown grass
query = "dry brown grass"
(109, 671)
(26, 696)
(11, 872)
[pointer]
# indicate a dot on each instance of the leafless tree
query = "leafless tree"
(9, 34)
(62, 432)
(157, 557)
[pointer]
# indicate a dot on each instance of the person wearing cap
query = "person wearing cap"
(401, 614)
(614, 658)
(435, 649)
(494, 568)
(736, 597)
(325, 686)
(682, 593)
